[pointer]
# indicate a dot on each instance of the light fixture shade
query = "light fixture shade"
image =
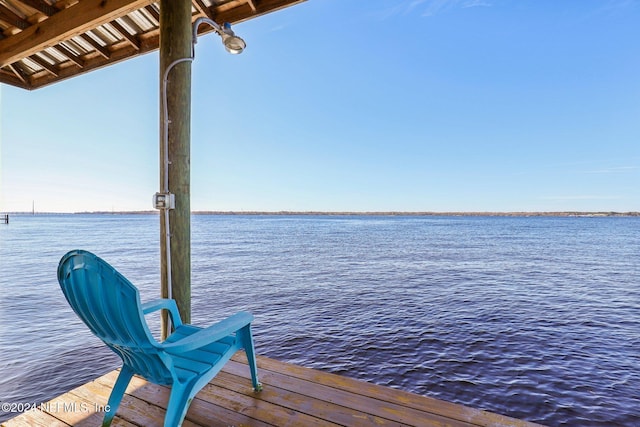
(233, 43)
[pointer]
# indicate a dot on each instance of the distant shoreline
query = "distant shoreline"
(356, 213)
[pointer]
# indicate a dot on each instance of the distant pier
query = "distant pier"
(4, 218)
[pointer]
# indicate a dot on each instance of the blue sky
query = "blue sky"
(351, 105)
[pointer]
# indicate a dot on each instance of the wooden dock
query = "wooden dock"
(4, 218)
(292, 396)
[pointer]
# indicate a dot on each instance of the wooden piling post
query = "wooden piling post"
(176, 43)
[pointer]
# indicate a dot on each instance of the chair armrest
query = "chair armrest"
(211, 334)
(164, 304)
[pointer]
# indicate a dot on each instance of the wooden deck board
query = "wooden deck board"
(292, 396)
(336, 406)
(202, 412)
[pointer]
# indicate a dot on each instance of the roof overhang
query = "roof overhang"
(45, 41)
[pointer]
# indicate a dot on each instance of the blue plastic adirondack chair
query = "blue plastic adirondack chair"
(187, 360)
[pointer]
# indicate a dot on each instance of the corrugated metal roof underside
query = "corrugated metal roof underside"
(45, 41)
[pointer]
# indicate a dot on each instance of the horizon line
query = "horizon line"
(349, 213)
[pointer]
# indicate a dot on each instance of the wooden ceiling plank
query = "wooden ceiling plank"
(124, 33)
(252, 5)
(41, 6)
(67, 23)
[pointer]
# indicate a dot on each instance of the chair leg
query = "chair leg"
(249, 348)
(179, 401)
(116, 395)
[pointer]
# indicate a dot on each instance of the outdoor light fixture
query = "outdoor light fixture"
(165, 200)
(232, 43)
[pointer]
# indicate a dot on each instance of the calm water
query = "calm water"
(535, 318)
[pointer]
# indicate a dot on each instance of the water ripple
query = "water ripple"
(535, 318)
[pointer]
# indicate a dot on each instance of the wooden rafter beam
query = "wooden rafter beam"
(44, 64)
(93, 63)
(239, 12)
(68, 23)
(97, 46)
(153, 12)
(11, 18)
(251, 9)
(69, 54)
(18, 73)
(8, 76)
(124, 33)
(41, 6)
(201, 8)
(82, 18)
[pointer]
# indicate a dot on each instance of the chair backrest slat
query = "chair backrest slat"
(110, 306)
